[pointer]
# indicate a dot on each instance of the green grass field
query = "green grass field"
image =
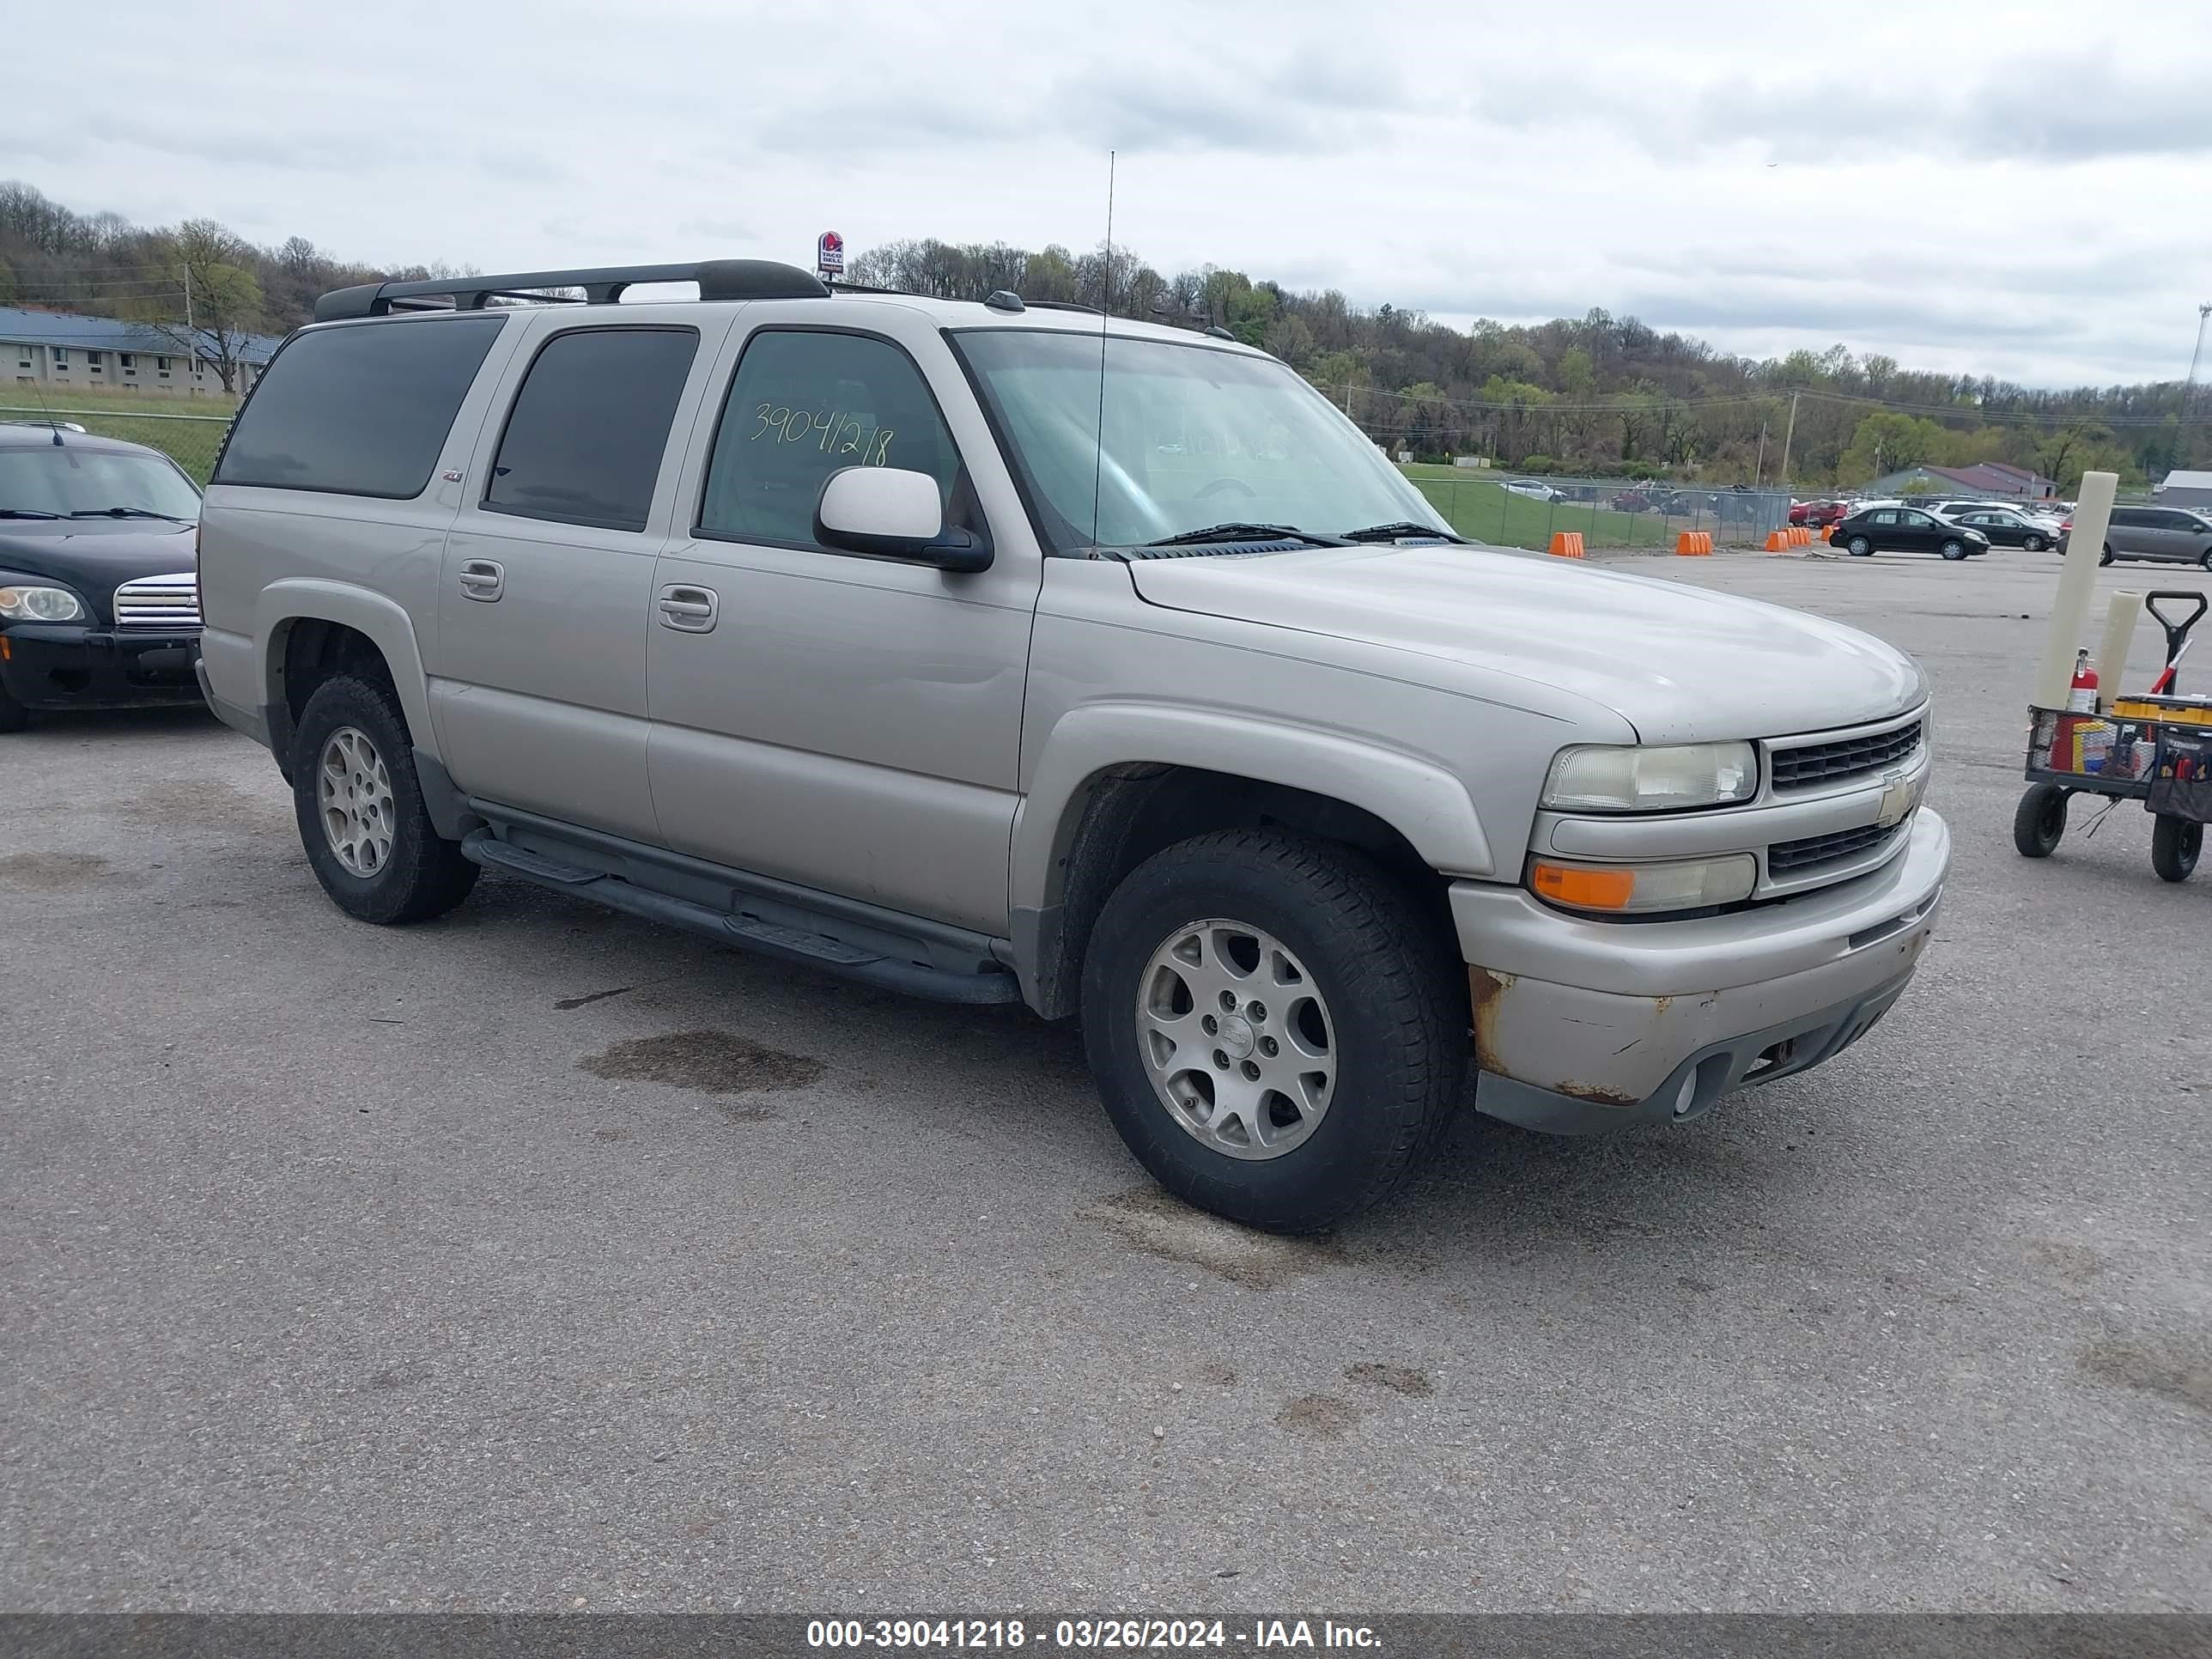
(188, 431)
(1476, 506)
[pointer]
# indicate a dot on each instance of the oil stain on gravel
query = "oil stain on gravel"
(1150, 1221)
(54, 873)
(2153, 1368)
(1316, 1416)
(712, 1062)
(1398, 1379)
(209, 804)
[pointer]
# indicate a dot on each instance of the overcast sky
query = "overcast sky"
(2021, 189)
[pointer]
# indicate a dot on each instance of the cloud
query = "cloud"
(2013, 192)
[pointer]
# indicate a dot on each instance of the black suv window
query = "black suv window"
(804, 404)
(358, 410)
(584, 440)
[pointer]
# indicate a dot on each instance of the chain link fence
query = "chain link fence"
(1500, 508)
(1514, 510)
(189, 441)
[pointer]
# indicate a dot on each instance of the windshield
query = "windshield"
(1194, 437)
(62, 482)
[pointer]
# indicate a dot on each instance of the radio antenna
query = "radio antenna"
(1105, 316)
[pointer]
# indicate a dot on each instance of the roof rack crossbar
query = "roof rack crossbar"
(718, 279)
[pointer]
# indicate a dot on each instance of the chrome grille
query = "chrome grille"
(159, 602)
(1845, 757)
(1793, 857)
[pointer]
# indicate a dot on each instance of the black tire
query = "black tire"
(2174, 844)
(2205, 558)
(424, 874)
(2033, 544)
(1386, 971)
(1858, 547)
(1954, 550)
(2104, 557)
(2039, 823)
(13, 717)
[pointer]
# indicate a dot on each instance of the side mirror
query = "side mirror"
(890, 513)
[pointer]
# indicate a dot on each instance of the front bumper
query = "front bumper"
(1582, 1026)
(55, 666)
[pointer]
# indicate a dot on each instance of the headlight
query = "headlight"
(1630, 889)
(1606, 778)
(39, 604)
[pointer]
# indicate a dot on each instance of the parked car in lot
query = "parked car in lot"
(1877, 526)
(1536, 489)
(822, 624)
(98, 606)
(1816, 514)
(2003, 525)
(2161, 535)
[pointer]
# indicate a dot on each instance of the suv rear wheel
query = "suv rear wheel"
(360, 808)
(1275, 1026)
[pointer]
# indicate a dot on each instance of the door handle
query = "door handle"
(689, 610)
(483, 579)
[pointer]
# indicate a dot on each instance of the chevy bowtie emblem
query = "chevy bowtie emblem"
(1898, 798)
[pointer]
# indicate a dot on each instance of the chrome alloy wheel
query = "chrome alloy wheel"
(1237, 1038)
(354, 791)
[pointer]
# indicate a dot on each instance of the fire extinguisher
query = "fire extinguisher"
(2081, 700)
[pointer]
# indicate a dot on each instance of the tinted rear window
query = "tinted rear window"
(584, 442)
(360, 411)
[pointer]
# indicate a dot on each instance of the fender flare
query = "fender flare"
(1419, 798)
(383, 621)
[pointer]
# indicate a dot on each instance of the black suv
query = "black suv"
(98, 601)
(1893, 525)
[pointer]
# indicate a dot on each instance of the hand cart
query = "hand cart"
(2154, 747)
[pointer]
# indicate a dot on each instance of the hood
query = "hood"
(94, 557)
(1680, 664)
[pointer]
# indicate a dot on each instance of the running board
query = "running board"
(823, 951)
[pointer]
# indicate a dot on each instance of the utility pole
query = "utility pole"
(2189, 387)
(1788, 433)
(191, 334)
(1759, 467)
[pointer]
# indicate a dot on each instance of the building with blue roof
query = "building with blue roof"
(67, 350)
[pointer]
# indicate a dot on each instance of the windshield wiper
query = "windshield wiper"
(124, 513)
(1236, 532)
(1390, 532)
(25, 513)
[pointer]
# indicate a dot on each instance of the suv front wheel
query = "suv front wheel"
(360, 808)
(1277, 1029)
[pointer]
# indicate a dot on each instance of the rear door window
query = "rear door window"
(361, 409)
(584, 440)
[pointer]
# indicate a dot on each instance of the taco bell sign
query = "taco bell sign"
(829, 254)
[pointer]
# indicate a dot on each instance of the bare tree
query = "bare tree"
(217, 308)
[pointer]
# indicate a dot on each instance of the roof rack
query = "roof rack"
(718, 279)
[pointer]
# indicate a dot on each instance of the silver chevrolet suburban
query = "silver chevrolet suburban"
(1000, 651)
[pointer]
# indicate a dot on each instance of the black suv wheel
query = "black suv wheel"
(1277, 1029)
(360, 808)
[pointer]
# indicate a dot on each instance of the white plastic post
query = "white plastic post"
(2121, 612)
(2077, 588)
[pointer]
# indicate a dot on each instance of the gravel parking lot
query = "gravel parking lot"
(538, 1258)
